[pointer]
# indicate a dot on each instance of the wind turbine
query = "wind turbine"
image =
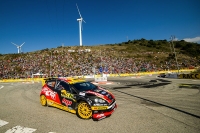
(80, 25)
(18, 47)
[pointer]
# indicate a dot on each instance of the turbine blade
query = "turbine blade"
(84, 21)
(78, 11)
(22, 44)
(15, 44)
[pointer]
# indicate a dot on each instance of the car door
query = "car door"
(50, 93)
(67, 98)
(53, 93)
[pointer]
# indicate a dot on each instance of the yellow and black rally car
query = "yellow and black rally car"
(79, 97)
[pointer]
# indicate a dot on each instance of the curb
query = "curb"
(30, 82)
(102, 83)
(136, 77)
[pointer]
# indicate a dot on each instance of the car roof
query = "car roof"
(68, 79)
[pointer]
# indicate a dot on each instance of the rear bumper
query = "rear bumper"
(104, 114)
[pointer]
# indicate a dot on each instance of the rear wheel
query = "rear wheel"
(43, 100)
(84, 110)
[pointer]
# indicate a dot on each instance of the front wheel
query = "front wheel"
(43, 100)
(84, 110)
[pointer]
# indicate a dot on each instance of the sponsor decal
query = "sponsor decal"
(98, 104)
(66, 102)
(98, 90)
(97, 94)
(100, 115)
(99, 108)
(103, 92)
(82, 94)
(67, 95)
(60, 106)
(102, 118)
(101, 96)
(49, 93)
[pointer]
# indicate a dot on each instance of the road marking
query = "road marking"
(2, 123)
(19, 129)
(1, 87)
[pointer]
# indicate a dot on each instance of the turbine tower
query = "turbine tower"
(18, 47)
(80, 25)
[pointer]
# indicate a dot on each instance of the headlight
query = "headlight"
(97, 100)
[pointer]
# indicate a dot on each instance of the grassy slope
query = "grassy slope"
(157, 51)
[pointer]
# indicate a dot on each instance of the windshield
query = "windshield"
(84, 86)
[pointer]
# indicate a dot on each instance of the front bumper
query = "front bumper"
(105, 113)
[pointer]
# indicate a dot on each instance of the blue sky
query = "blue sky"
(45, 24)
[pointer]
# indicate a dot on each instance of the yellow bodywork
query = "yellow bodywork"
(60, 106)
(99, 107)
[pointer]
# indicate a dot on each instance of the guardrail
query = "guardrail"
(22, 80)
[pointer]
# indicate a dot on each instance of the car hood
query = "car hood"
(101, 93)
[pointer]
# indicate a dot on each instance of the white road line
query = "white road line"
(1, 87)
(19, 129)
(2, 123)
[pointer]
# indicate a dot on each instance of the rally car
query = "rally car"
(79, 97)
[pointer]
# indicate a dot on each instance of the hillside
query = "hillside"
(125, 57)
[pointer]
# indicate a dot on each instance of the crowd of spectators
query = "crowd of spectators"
(59, 62)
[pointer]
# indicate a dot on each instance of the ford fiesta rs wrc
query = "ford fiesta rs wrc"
(78, 96)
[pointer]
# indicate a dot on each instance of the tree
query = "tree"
(178, 45)
(142, 39)
(189, 45)
(182, 40)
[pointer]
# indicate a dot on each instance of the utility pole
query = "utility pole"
(171, 53)
(3, 65)
(172, 39)
(170, 48)
(62, 47)
(101, 65)
(50, 63)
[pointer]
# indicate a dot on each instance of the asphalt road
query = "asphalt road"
(145, 105)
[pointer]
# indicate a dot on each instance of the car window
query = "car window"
(84, 86)
(51, 84)
(64, 85)
(73, 90)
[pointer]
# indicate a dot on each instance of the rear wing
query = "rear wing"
(67, 79)
(44, 80)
